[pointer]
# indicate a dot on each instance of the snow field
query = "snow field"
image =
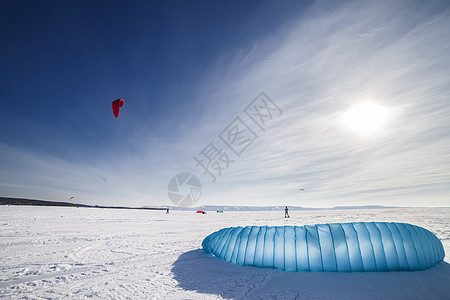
(58, 252)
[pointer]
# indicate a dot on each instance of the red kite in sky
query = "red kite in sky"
(116, 105)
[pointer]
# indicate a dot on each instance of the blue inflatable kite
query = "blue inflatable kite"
(346, 247)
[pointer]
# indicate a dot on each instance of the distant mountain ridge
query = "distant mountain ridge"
(34, 202)
(274, 208)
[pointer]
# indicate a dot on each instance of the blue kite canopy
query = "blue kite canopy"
(338, 247)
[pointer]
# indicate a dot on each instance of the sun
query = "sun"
(366, 118)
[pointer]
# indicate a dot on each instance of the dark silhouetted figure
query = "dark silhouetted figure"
(286, 212)
(167, 210)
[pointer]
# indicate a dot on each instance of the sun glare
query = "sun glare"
(366, 118)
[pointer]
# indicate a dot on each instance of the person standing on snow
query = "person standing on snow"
(286, 212)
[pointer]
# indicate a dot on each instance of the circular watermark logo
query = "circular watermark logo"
(184, 189)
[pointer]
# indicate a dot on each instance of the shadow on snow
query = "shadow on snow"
(203, 273)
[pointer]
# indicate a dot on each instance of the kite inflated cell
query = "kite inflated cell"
(338, 247)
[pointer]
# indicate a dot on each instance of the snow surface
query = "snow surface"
(59, 252)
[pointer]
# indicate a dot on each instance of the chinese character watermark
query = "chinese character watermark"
(237, 136)
(213, 161)
(185, 189)
(262, 110)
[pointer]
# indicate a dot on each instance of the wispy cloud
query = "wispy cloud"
(390, 53)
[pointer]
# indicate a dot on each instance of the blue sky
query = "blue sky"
(187, 69)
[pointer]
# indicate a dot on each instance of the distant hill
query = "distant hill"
(364, 207)
(272, 208)
(34, 202)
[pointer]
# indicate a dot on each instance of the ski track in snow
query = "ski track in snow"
(58, 252)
